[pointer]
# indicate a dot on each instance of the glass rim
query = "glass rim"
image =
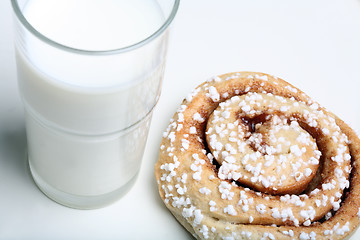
(128, 48)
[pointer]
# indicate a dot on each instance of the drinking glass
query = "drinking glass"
(88, 109)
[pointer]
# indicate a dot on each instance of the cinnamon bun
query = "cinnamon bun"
(249, 156)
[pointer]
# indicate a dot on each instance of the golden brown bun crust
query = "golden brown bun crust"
(249, 156)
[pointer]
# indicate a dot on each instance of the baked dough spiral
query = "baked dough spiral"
(249, 156)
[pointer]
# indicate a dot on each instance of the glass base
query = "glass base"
(78, 201)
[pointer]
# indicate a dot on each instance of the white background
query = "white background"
(313, 44)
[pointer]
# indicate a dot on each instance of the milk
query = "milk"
(88, 113)
(92, 25)
(95, 24)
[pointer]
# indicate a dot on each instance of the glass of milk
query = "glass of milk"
(89, 74)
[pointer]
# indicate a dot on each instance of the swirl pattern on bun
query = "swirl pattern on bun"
(249, 156)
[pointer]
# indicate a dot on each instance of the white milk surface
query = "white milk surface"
(94, 25)
(92, 96)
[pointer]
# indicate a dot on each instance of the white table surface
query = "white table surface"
(313, 44)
